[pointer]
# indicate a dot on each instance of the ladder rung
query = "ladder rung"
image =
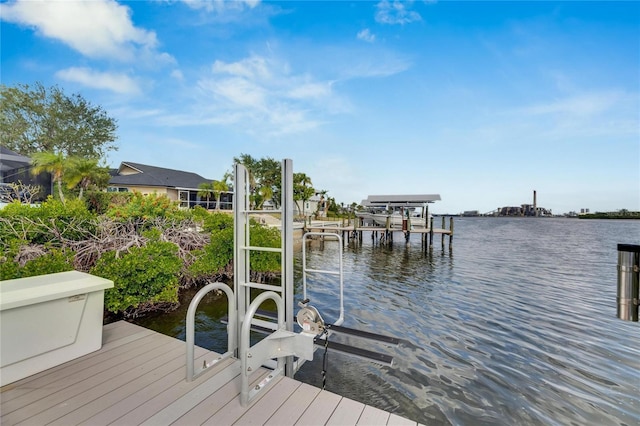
(262, 211)
(321, 271)
(267, 325)
(255, 248)
(262, 286)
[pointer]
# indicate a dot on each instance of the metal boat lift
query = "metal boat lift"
(288, 348)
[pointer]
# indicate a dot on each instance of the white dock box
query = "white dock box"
(48, 320)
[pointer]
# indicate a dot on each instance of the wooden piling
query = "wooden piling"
(431, 233)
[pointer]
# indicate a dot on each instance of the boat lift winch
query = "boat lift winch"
(289, 348)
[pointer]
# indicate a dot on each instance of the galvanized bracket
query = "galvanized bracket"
(279, 345)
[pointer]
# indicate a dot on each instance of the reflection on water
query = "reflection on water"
(516, 326)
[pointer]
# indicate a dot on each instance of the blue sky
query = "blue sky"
(480, 102)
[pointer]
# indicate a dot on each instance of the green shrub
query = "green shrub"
(214, 257)
(53, 261)
(99, 202)
(217, 256)
(144, 274)
(217, 221)
(36, 224)
(145, 207)
(199, 213)
(263, 261)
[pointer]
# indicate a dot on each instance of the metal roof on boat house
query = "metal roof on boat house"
(413, 200)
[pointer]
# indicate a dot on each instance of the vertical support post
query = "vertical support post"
(241, 257)
(451, 233)
(287, 251)
(431, 233)
(442, 235)
(628, 281)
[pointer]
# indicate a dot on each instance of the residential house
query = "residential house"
(17, 168)
(175, 184)
(310, 207)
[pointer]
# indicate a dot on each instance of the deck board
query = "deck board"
(14, 390)
(265, 407)
(129, 403)
(92, 402)
(346, 413)
(80, 382)
(372, 416)
(68, 382)
(211, 405)
(395, 420)
(320, 409)
(292, 410)
(138, 377)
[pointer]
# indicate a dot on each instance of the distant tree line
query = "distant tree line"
(620, 214)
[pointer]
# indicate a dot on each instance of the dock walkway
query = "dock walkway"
(138, 377)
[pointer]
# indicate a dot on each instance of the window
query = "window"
(184, 198)
(117, 189)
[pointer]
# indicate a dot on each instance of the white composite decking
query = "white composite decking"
(138, 377)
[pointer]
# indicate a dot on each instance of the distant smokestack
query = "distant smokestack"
(535, 203)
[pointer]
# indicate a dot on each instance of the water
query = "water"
(516, 326)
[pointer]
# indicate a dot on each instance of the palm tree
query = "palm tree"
(302, 189)
(220, 186)
(83, 172)
(205, 189)
(323, 204)
(50, 162)
(266, 193)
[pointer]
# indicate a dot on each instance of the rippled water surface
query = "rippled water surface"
(516, 325)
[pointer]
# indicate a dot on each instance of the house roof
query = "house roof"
(10, 160)
(145, 175)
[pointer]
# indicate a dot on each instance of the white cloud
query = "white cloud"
(177, 74)
(382, 64)
(265, 94)
(396, 12)
(236, 91)
(254, 67)
(96, 29)
(310, 90)
(220, 6)
(366, 35)
(586, 104)
(116, 82)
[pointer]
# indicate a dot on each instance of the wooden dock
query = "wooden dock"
(383, 234)
(138, 377)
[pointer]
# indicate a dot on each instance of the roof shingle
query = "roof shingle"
(158, 176)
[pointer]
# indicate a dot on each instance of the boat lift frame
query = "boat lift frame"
(290, 349)
(282, 343)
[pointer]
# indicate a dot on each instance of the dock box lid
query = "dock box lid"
(42, 288)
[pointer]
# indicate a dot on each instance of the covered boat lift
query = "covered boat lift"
(417, 200)
(375, 203)
(402, 202)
